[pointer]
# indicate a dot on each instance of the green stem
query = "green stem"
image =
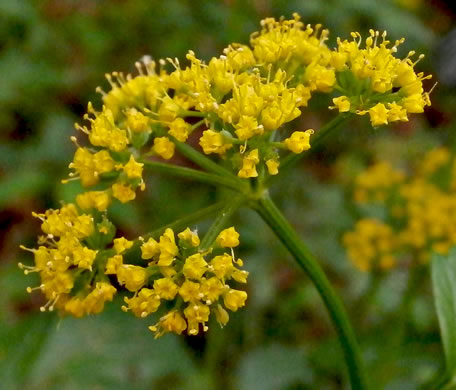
(199, 159)
(220, 222)
(189, 219)
(177, 225)
(332, 125)
(285, 232)
(193, 174)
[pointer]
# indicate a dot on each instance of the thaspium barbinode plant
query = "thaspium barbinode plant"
(237, 105)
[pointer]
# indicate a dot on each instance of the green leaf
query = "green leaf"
(444, 287)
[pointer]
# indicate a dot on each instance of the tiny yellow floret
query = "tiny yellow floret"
(228, 238)
(298, 142)
(164, 147)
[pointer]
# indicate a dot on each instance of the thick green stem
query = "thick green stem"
(332, 125)
(285, 232)
(220, 222)
(193, 174)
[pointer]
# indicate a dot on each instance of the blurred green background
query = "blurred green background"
(53, 53)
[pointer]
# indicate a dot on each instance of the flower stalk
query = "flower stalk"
(288, 236)
(195, 175)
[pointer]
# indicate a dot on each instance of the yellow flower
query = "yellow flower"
(211, 289)
(179, 129)
(247, 127)
(143, 304)
(133, 169)
(190, 291)
(320, 78)
(84, 257)
(221, 315)
(168, 110)
(95, 300)
(213, 142)
(75, 307)
(273, 166)
(89, 166)
(99, 200)
(396, 113)
(168, 248)
(190, 237)
(164, 147)
(234, 299)
(112, 264)
(132, 276)
(228, 238)
(272, 117)
(166, 288)
(121, 244)
(171, 322)
(299, 141)
(104, 131)
(222, 265)
(123, 192)
(249, 165)
(195, 266)
(196, 314)
(149, 249)
(342, 103)
(378, 115)
(136, 121)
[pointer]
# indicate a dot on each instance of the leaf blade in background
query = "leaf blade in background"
(444, 288)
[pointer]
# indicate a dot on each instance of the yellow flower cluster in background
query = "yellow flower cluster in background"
(371, 245)
(419, 212)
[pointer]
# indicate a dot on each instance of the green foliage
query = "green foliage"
(444, 287)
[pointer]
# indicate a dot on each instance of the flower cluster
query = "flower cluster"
(68, 264)
(236, 102)
(419, 211)
(187, 284)
(373, 81)
(371, 245)
(236, 108)
(175, 277)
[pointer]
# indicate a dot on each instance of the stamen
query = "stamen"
(30, 289)
(112, 83)
(138, 66)
(24, 248)
(100, 91)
